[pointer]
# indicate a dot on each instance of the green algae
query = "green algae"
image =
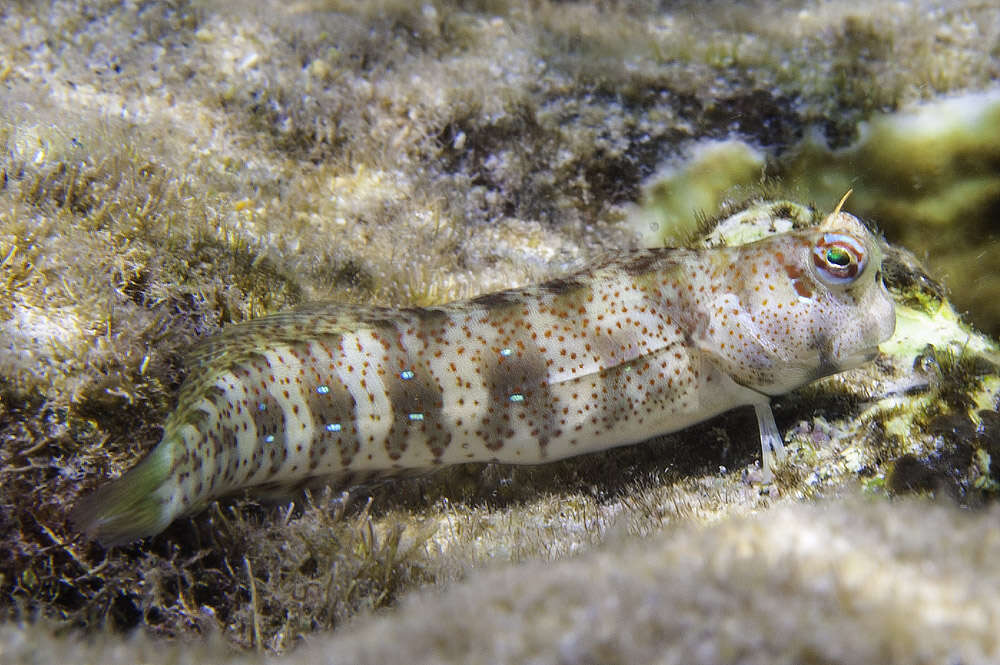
(669, 213)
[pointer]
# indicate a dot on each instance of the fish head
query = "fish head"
(801, 305)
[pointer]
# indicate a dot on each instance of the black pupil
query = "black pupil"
(838, 257)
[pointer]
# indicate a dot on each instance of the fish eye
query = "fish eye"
(839, 258)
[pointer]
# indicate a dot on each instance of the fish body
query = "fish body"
(647, 342)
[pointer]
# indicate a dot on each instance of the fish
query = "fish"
(641, 343)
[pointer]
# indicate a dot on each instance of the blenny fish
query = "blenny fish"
(646, 342)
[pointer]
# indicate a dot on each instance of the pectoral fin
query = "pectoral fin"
(772, 449)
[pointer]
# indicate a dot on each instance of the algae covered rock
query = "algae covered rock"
(856, 581)
(844, 582)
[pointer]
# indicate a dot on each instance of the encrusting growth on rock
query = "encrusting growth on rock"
(646, 342)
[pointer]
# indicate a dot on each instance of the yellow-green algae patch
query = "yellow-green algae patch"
(699, 183)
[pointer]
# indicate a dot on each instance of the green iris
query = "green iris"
(838, 257)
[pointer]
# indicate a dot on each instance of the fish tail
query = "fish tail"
(137, 505)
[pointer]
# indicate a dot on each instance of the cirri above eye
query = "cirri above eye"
(839, 258)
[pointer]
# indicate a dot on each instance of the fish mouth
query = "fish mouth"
(828, 366)
(855, 359)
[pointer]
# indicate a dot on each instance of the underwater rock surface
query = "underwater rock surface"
(169, 168)
(856, 581)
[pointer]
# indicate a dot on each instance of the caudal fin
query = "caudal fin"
(131, 507)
